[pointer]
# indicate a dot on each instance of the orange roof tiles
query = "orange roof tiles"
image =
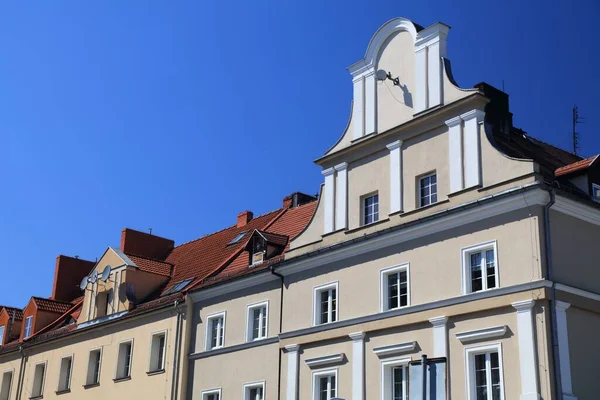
(576, 166)
(54, 306)
(17, 312)
(152, 266)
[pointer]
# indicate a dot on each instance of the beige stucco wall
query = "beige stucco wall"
(11, 362)
(584, 347)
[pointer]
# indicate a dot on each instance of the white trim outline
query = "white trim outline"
(466, 252)
(250, 321)
(72, 357)
(317, 306)
(253, 385)
(125, 341)
(10, 383)
(316, 386)
(482, 334)
(205, 393)
(43, 385)
(386, 378)
(208, 330)
(470, 353)
(87, 375)
(164, 355)
(384, 290)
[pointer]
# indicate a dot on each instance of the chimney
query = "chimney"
(145, 245)
(297, 199)
(243, 218)
(68, 273)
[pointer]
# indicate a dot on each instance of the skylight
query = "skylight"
(237, 238)
(177, 287)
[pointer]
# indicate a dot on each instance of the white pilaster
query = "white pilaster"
(341, 196)
(430, 47)
(440, 336)
(563, 350)
(421, 79)
(358, 365)
(455, 155)
(292, 371)
(370, 102)
(472, 155)
(328, 200)
(395, 149)
(358, 116)
(527, 350)
(434, 75)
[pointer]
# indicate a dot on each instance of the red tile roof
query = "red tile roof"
(17, 312)
(576, 166)
(152, 266)
(54, 306)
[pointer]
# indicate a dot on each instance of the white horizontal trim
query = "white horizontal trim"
(480, 334)
(578, 292)
(326, 360)
(395, 349)
(577, 209)
(232, 286)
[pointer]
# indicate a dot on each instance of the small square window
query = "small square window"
(2, 335)
(6, 385)
(124, 360)
(395, 379)
(485, 373)
(212, 394)
(157, 352)
(480, 268)
(215, 331)
(324, 385)
(257, 321)
(64, 377)
(325, 304)
(395, 287)
(254, 391)
(596, 192)
(28, 327)
(93, 372)
(370, 205)
(427, 190)
(39, 376)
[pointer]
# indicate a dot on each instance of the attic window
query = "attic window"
(596, 192)
(177, 287)
(259, 248)
(237, 238)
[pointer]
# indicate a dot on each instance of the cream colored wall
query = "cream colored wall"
(452, 92)
(583, 327)
(11, 362)
(435, 268)
(140, 386)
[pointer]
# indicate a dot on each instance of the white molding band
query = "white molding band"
(527, 346)
(563, 350)
(328, 200)
(430, 47)
(455, 155)
(292, 371)
(370, 103)
(578, 292)
(341, 196)
(440, 336)
(395, 349)
(358, 365)
(358, 113)
(481, 334)
(326, 360)
(471, 151)
(395, 149)
(421, 80)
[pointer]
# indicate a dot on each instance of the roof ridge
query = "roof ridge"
(148, 258)
(46, 299)
(549, 144)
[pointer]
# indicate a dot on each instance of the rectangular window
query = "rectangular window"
(596, 192)
(480, 267)
(257, 321)
(395, 379)
(1, 335)
(157, 352)
(325, 385)
(485, 373)
(39, 376)
(370, 209)
(124, 360)
(215, 331)
(93, 372)
(6, 385)
(213, 394)
(325, 304)
(428, 190)
(28, 327)
(254, 391)
(394, 287)
(64, 377)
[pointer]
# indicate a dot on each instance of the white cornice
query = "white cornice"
(453, 121)
(578, 292)
(524, 305)
(438, 321)
(480, 334)
(357, 336)
(328, 171)
(395, 349)
(576, 209)
(292, 347)
(431, 35)
(326, 360)
(394, 145)
(341, 167)
(233, 286)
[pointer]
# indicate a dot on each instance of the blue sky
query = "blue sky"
(178, 115)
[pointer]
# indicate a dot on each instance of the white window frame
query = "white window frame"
(250, 320)
(470, 353)
(117, 377)
(41, 394)
(60, 372)
(419, 180)
(317, 302)
(387, 367)
(384, 294)
(594, 188)
(30, 328)
(205, 393)
(208, 330)
(151, 353)
(87, 375)
(317, 375)
(363, 206)
(3, 330)
(10, 383)
(254, 385)
(466, 266)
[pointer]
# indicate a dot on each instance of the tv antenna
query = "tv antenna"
(577, 119)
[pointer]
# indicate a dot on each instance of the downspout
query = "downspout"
(272, 268)
(21, 374)
(176, 353)
(550, 277)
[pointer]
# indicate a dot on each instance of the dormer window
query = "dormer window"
(2, 335)
(259, 248)
(264, 245)
(28, 327)
(596, 192)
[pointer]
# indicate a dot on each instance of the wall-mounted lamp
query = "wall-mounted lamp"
(382, 75)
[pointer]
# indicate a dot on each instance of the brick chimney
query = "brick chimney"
(68, 273)
(145, 245)
(297, 199)
(243, 218)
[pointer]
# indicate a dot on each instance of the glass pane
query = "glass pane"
(392, 291)
(333, 305)
(333, 388)
(491, 269)
(324, 306)
(433, 179)
(323, 395)
(476, 272)
(397, 383)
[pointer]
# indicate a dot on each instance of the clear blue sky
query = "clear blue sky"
(177, 115)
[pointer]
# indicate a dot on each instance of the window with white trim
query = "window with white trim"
(39, 376)
(485, 373)
(64, 377)
(28, 327)
(395, 379)
(325, 304)
(124, 360)
(215, 331)
(596, 192)
(212, 394)
(427, 190)
(6, 385)
(2, 335)
(324, 385)
(254, 391)
(395, 287)
(370, 209)
(157, 352)
(93, 371)
(480, 267)
(257, 321)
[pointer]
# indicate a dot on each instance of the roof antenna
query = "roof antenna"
(150, 230)
(576, 120)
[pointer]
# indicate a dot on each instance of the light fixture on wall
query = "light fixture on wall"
(382, 75)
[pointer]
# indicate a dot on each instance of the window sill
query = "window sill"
(157, 372)
(36, 397)
(91, 385)
(416, 210)
(459, 192)
(381, 221)
(333, 232)
(325, 323)
(59, 392)
(123, 379)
